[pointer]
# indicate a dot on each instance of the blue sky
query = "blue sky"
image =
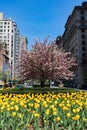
(37, 19)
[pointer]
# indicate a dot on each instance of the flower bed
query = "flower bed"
(50, 111)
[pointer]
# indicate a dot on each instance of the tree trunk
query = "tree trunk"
(42, 83)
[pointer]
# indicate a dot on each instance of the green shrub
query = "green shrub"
(37, 90)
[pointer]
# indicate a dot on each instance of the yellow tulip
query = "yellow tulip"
(68, 114)
(74, 110)
(36, 115)
(85, 119)
(58, 119)
(28, 125)
(54, 109)
(8, 108)
(77, 117)
(29, 110)
(47, 112)
(55, 102)
(20, 115)
(16, 108)
(77, 110)
(51, 106)
(44, 121)
(54, 113)
(14, 114)
(65, 108)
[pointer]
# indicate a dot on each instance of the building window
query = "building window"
(83, 61)
(11, 53)
(83, 48)
(83, 36)
(83, 54)
(5, 22)
(12, 30)
(4, 36)
(1, 26)
(11, 45)
(82, 30)
(82, 12)
(83, 43)
(82, 18)
(1, 30)
(82, 24)
(1, 22)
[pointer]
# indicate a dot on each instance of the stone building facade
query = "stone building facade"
(75, 40)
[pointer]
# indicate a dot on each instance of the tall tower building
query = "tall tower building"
(9, 34)
(75, 40)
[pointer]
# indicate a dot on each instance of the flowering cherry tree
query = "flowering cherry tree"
(46, 62)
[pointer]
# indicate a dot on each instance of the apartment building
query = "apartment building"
(23, 43)
(4, 59)
(9, 34)
(75, 40)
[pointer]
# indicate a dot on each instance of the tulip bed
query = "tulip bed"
(62, 111)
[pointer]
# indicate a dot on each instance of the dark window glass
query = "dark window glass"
(11, 53)
(84, 61)
(82, 12)
(83, 43)
(82, 24)
(83, 36)
(83, 48)
(83, 54)
(1, 30)
(5, 22)
(82, 30)
(82, 18)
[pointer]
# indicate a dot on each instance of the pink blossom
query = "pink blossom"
(46, 62)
